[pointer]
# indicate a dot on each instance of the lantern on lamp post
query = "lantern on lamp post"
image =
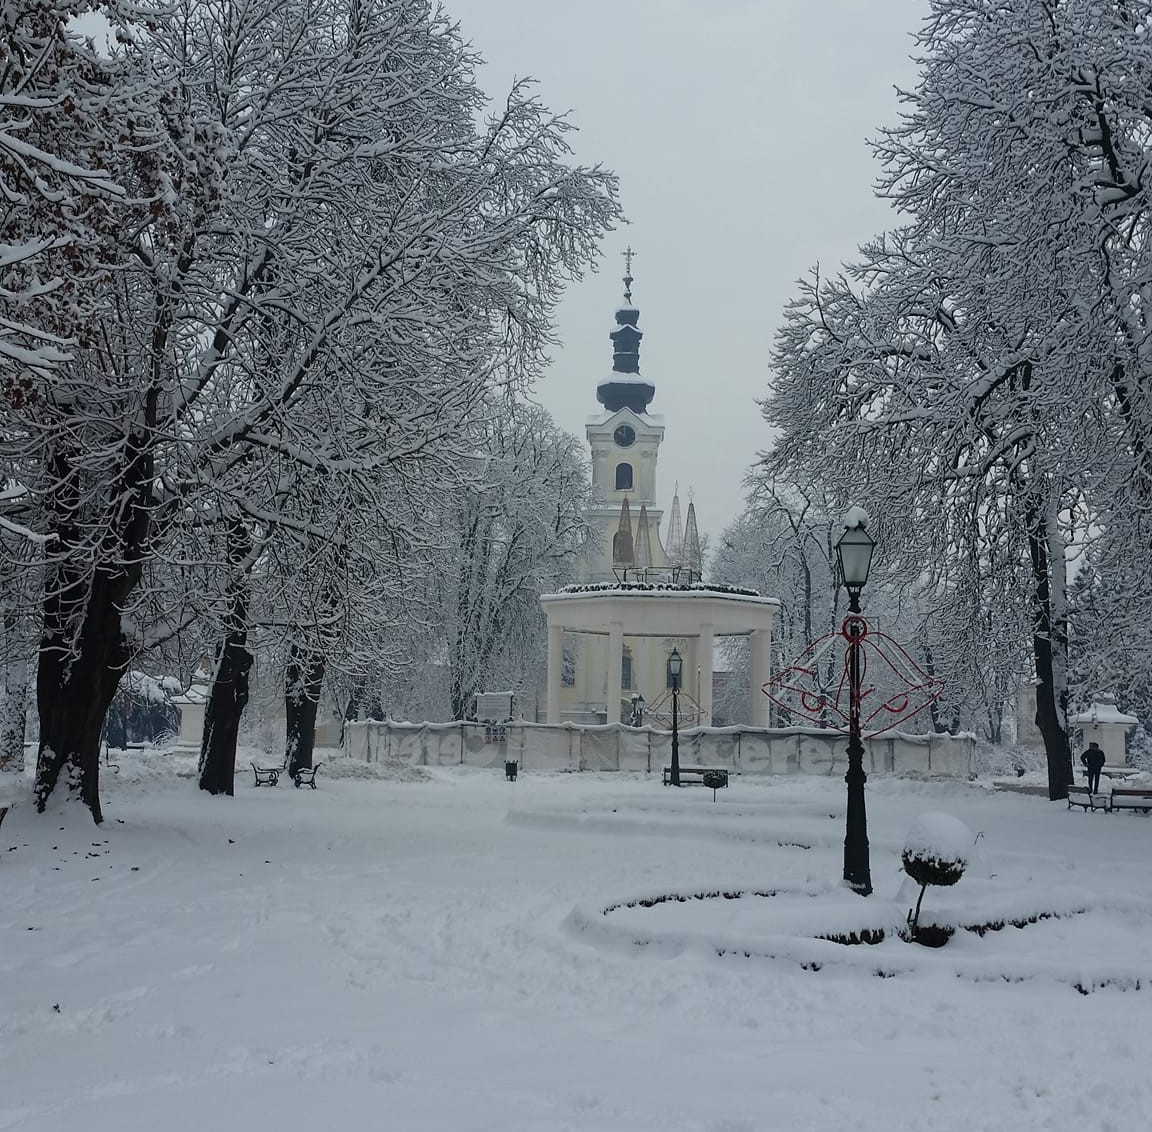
(636, 719)
(854, 554)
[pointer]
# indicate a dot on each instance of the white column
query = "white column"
(615, 670)
(759, 669)
(642, 668)
(555, 669)
(704, 662)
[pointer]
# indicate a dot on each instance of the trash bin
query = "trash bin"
(510, 769)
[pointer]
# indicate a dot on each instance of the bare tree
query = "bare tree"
(980, 370)
(333, 254)
(516, 533)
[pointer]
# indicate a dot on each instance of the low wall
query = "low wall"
(568, 746)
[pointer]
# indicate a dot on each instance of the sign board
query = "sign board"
(494, 707)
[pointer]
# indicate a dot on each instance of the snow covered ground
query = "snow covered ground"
(447, 950)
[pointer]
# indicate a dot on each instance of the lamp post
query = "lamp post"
(675, 666)
(854, 553)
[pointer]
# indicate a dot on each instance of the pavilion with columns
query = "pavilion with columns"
(639, 597)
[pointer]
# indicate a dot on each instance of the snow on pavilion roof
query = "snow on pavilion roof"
(644, 609)
(1104, 710)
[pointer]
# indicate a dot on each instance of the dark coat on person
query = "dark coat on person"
(1093, 758)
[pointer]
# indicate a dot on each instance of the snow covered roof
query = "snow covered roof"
(1104, 710)
(655, 419)
(626, 379)
(663, 589)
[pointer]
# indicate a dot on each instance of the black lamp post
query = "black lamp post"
(675, 666)
(854, 552)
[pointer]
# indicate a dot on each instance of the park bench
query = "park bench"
(3, 813)
(1082, 796)
(270, 775)
(267, 775)
(694, 776)
(306, 776)
(1130, 798)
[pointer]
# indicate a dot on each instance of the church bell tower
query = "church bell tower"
(624, 441)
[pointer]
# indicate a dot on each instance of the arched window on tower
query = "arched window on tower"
(623, 477)
(626, 669)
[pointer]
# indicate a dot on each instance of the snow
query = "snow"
(1104, 710)
(854, 517)
(156, 690)
(940, 836)
(413, 948)
(626, 379)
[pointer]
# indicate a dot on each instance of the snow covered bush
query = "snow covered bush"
(1139, 754)
(936, 851)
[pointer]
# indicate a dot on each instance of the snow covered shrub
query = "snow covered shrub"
(1005, 760)
(1139, 753)
(141, 710)
(936, 851)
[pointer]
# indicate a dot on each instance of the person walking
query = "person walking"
(1093, 761)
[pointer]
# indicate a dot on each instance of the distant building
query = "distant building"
(624, 440)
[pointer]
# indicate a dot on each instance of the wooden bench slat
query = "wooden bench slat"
(1130, 798)
(1082, 796)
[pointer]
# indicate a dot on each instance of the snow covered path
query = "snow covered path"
(412, 955)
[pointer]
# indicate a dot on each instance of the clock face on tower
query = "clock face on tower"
(625, 436)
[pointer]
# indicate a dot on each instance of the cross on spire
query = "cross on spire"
(628, 253)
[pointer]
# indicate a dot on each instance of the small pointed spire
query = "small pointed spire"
(622, 540)
(675, 530)
(693, 560)
(643, 540)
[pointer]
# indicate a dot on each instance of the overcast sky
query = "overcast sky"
(738, 129)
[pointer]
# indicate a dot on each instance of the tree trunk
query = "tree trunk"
(303, 681)
(226, 703)
(78, 673)
(83, 651)
(13, 712)
(14, 706)
(459, 701)
(229, 694)
(1046, 645)
(995, 727)
(934, 707)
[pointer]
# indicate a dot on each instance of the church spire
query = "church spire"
(643, 545)
(675, 530)
(693, 560)
(622, 551)
(626, 388)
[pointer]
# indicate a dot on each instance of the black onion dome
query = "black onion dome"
(634, 395)
(626, 389)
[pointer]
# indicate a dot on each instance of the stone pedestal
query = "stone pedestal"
(1107, 725)
(192, 705)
